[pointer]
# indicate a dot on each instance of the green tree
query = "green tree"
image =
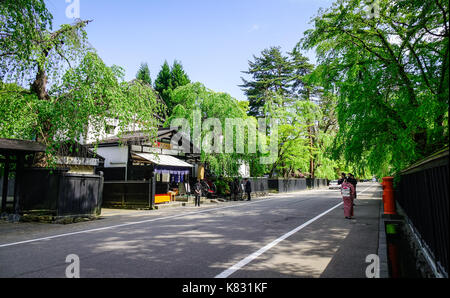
(391, 73)
(45, 54)
(170, 78)
(17, 113)
(179, 76)
(83, 89)
(163, 82)
(244, 105)
(282, 88)
(300, 69)
(297, 143)
(270, 78)
(21, 24)
(196, 97)
(143, 74)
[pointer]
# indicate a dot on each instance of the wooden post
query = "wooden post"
(60, 200)
(19, 170)
(100, 194)
(129, 166)
(5, 183)
(151, 190)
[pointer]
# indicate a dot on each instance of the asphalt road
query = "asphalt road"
(290, 235)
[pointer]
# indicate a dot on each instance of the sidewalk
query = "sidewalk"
(365, 237)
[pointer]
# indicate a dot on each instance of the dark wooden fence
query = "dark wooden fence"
(60, 193)
(291, 185)
(141, 194)
(113, 174)
(11, 183)
(259, 185)
(130, 194)
(422, 193)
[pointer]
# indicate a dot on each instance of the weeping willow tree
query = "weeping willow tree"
(210, 111)
(388, 64)
(55, 86)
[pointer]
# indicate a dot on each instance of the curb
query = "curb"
(382, 245)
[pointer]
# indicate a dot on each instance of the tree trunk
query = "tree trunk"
(311, 139)
(311, 155)
(420, 138)
(40, 85)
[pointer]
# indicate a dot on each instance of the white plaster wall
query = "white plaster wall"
(91, 137)
(244, 170)
(115, 157)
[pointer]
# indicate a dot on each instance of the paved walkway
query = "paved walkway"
(349, 261)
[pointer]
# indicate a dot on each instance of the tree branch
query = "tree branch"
(444, 14)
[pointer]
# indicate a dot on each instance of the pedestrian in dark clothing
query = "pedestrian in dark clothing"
(236, 189)
(248, 189)
(351, 179)
(197, 193)
(232, 190)
(340, 181)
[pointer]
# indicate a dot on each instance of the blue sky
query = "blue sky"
(214, 39)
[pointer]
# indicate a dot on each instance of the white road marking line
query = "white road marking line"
(256, 254)
(121, 225)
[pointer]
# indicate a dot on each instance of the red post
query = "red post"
(388, 195)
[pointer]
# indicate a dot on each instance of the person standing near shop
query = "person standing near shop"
(197, 192)
(248, 189)
(237, 191)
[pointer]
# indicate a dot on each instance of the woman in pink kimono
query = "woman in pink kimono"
(348, 195)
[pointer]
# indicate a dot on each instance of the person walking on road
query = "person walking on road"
(348, 194)
(197, 192)
(248, 189)
(351, 179)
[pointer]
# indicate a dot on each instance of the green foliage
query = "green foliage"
(84, 91)
(391, 74)
(244, 105)
(18, 113)
(297, 130)
(223, 185)
(88, 94)
(271, 75)
(93, 93)
(143, 74)
(168, 80)
(179, 76)
(21, 22)
(30, 52)
(196, 97)
(283, 88)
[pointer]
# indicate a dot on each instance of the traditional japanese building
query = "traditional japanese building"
(133, 158)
